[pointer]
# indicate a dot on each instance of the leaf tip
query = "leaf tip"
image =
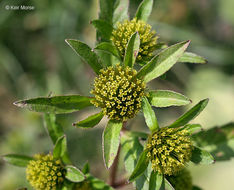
(20, 103)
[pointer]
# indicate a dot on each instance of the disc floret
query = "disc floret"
(45, 172)
(122, 34)
(169, 149)
(118, 92)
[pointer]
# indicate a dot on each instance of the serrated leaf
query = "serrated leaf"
(86, 53)
(162, 62)
(141, 166)
(17, 160)
(53, 128)
(189, 57)
(200, 156)
(131, 149)
(144, 10)
(121, 11)
(219, 141)
(109, 48)
(132, 50)
(156, 180)
(55, 104)
(191, 128)
(73, 174)
(166, 98)
(149, 115)
(110, 141)
(90, 122)
(191, 114)
(103, 27)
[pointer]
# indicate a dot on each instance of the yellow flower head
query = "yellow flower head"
(122, 34)
(181, 181)
(169, 149)
(44, 172)
(118, 92)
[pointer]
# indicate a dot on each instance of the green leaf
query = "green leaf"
(156, 180)
(191, 114)
(191, 128)
(219, 141)
(109, 48)
(110, 141)
(106, 10)
(196, 188)
(200, 156)
(86, 53)
(120, 11)
(90, 122)
(53, 128)
(162, 62)
(168, 186)
(139, 134)
(98, 184)
(189, 57)
(132, 50)
(149, 115)
(165, 98)
(73, 174)
(86, 168)
(144, 10)
(17, 160)
(103, 27)
(55, 104)
(141, 166)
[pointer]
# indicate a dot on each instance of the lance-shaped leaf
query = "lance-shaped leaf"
(74, 174)
(131, 149)
(121, 11)
(103, 27)
(156, 180)
(162, 62)
(144, 10)
(60, 150)
(110, 141)
(200, 156)
(109, 48)
(132, 50)
(167, 186)
(191, 114)
(106, 10)
(191, 128)
(17, 160)
(149, 115)
(189, 57)
(141, 166)
(165, 98)
(90, 122)
(55, 104)
(86, 53)
(53, 128)
(86, 168)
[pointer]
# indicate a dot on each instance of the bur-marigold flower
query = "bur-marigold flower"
(169, 149)
(45, 172)
(118, 92)
(122, 34)
(181, 181)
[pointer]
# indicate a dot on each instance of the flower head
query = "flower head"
(122, 34)
(118, 92)
(45, 172)
(169, 149)
(181, 181)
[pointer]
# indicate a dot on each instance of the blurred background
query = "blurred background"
(35, 61)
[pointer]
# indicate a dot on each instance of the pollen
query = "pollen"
(45, 173)
(169, 149)
(182, 180)
(148, 39)
(118, 92)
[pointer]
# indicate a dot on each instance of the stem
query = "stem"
(114, 167)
